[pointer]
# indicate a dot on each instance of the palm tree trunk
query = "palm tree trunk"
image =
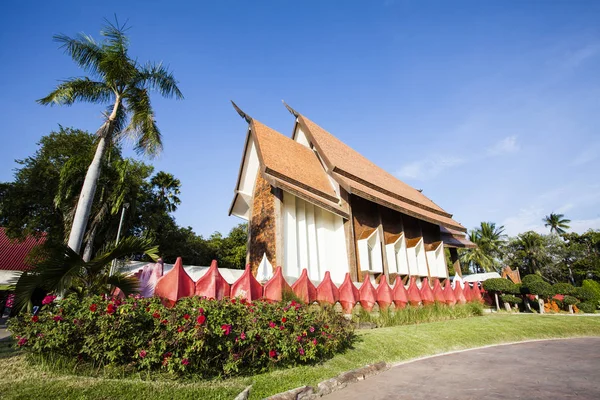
(89, 246)
(86, 198)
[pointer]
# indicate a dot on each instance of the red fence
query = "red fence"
(177, 284)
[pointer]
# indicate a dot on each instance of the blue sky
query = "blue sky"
(492, 108)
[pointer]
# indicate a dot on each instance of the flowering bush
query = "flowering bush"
(198, 335)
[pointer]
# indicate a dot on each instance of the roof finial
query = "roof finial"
(290, 109)
(242, 114)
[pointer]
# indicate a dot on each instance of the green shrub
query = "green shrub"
(563, 288)
(584, 294)
(570, 300)
(593, 287)
(497, 285)
(509, 298)
(527, 279)
(540, 288)
(199, 336)
(417, 315)
(587, 307)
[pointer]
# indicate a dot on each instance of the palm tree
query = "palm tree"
(65, 272)
(489, 240)
(167, 187)
(123, 84)
(557, 223)
(530, 246)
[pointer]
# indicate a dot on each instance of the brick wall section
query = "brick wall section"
(262, 224)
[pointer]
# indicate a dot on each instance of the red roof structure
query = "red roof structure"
(13, 253)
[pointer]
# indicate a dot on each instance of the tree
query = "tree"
(65, 272)
(528, 253)
(489, 240)
(557, 223)
(120, 81)
(167, 187)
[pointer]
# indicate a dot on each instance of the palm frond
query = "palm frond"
(156, 77)
(59, 271)
(78, 89)
(117, 40)
(83, 50)
(126, 247)
(24, 286)
(127, 283)
(142, 125)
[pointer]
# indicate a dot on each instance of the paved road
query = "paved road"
(555, 369)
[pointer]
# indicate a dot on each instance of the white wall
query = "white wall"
(313, 239)
(437, 262)
(245, 190)
(417, 263)
(396, 257)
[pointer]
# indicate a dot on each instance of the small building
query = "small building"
(313, 202)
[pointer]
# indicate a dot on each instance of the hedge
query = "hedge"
(563, 288)
(509, 298)
(200, 336)
(587, 307)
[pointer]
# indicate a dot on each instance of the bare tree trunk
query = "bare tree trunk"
(86, 198)
(497, 303)
(89, 246)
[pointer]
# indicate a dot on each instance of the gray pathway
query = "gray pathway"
(554, 369)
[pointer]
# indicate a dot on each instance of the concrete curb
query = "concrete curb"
(244, 394)
(333, 384)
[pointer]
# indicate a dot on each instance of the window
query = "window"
(369, 253)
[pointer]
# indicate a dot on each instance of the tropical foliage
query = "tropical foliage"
(489, 239)
(121, 82)
(198, 336)
(64, 271)
(557, 223)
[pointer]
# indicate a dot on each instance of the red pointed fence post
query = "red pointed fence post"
(414, 296)
(449, 293)
(327, 292)
(349, 295)
(426, 293)
(384, 294)
(367, 295)
(274, 289)
(247, 286)
(476, 293)
(174, 285)
(438, 293)
(459, 293)
(399, 294)
(304, 289)
(212, 284)
(467, 292)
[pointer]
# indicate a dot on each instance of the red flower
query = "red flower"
(326, 326)
(312, 329)
(147, 309)
(143, 353)
(243, 336)
(281, 327)
(298, 338)
(185, 361)
(93, 308)
(180, 329)
(75, 321)
(283, 320)
(164, 322)
(201, 310)
(226, 329)
(186, 316)
(315, 342)
(271, 324)
(48, 299)
(110, 309)
(57, 318)
(232, 301)
(301, 351)
(156, 315)
(272, 353)
(201, 319)
(35, 318)
(22, 341)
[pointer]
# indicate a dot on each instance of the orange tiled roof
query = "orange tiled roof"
(291, 162)
(366, 179)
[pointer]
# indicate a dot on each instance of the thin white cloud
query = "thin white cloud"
(575, 58)
(590, 153)
(508, 145)
(429, 168)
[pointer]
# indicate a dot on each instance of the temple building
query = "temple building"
(313, 202)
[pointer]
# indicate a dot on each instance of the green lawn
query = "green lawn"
(19, 380)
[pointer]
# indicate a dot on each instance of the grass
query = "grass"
(21, 380)
(418, 315)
